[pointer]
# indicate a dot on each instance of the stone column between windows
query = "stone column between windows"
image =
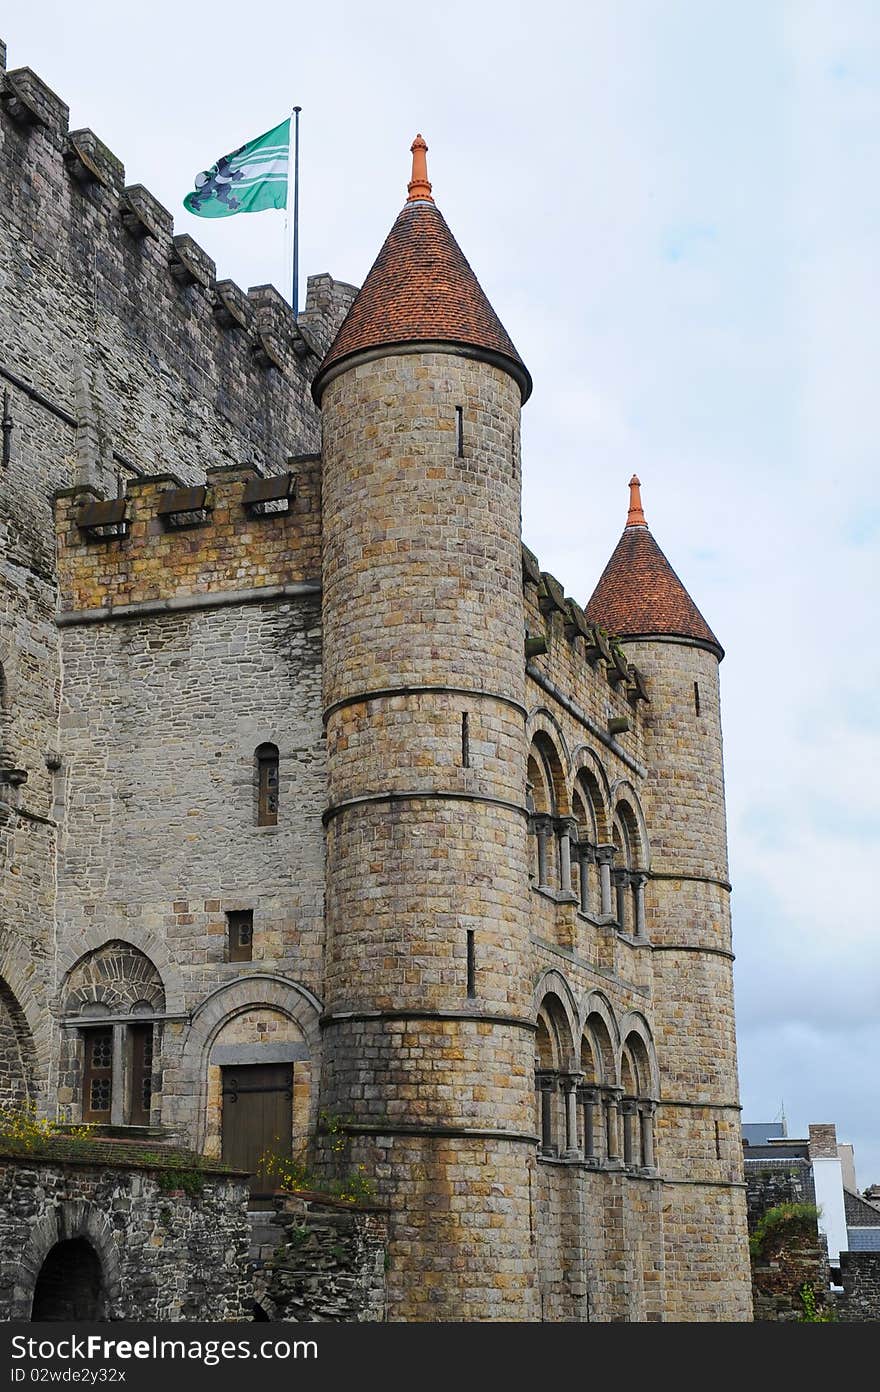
(639, 881)
(589, 1098)
(569, 1084)
(567, 830)
(117, 1086)
(585, 857)
(610, 1102)
(646, 1119)
(542, 823)
(546, 1083)
(604, 857)
(629, 1113)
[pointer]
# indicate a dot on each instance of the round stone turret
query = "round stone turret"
(641, 599)
(428, 1022)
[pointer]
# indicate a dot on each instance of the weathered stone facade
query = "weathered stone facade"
(298, 798)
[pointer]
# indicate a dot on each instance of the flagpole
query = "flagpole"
(295, 295)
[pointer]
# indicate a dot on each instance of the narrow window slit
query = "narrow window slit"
(240, 935)
(697, 697)
(465, 740)
(717, 1140)
(471, 965)
(459, 432)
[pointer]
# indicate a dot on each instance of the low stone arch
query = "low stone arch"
(541, 720)
(70, 1219)
(80, 945)
(262, 990)
(599, 1023)
(587, 768)
(555, 1065)
(635, 1026)
(552, 983)
(624, 794)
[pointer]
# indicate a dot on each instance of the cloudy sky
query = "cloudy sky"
(674, 207)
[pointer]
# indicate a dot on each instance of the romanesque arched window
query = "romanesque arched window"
(637, 1106)
(110, 1000)
(599, 1094)
(629, 875)
(551, 830)
(266, 759)
(555, 1080)
(588, 848)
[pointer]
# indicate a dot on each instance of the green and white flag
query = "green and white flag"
(252, 178)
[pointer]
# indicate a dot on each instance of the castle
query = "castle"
(320, 799)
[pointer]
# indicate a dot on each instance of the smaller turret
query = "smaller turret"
(641, 599)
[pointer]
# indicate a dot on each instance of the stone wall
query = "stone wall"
(121, 354)
(779, 1277)
(163, 1255)
(860, 1277)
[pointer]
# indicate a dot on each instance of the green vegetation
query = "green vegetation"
(23, 1130)
(779, 1224)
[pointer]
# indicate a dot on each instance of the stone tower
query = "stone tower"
(428, 1025)
(640, 598)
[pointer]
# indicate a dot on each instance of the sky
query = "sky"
(674, 207)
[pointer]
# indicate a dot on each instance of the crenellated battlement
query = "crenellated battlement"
(554, 619)
(162, 541)
(35, 113)
(116, 329)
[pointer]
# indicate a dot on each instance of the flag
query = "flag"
(252, 178)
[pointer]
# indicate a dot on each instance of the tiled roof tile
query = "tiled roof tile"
(421, 289)
(640, 594)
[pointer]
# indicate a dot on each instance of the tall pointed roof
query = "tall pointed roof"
(639, 595)
(421, 289)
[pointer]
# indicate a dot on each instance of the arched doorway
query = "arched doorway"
(70, 1284)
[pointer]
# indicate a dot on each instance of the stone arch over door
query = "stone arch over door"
(67, 1222)
(262, 997)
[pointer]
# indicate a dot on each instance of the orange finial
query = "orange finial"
(635, 516)
(418, 186)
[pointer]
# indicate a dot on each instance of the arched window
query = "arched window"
(111, 998)
(555, 1081)
(587, 812)
(545, 796)
(637, 1106)
(629, 877)
(599, 1095)
(267, 784)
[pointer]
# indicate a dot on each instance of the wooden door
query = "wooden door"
(257, 1117)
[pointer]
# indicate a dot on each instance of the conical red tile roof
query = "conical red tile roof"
(421, 289)
(639, 594)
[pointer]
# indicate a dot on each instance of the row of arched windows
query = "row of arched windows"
(596, 1103)
(580, 852)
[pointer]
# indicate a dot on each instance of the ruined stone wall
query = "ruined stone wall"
(328, 1266)
(164, 1255)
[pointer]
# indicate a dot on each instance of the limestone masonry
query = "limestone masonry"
(331, 827)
